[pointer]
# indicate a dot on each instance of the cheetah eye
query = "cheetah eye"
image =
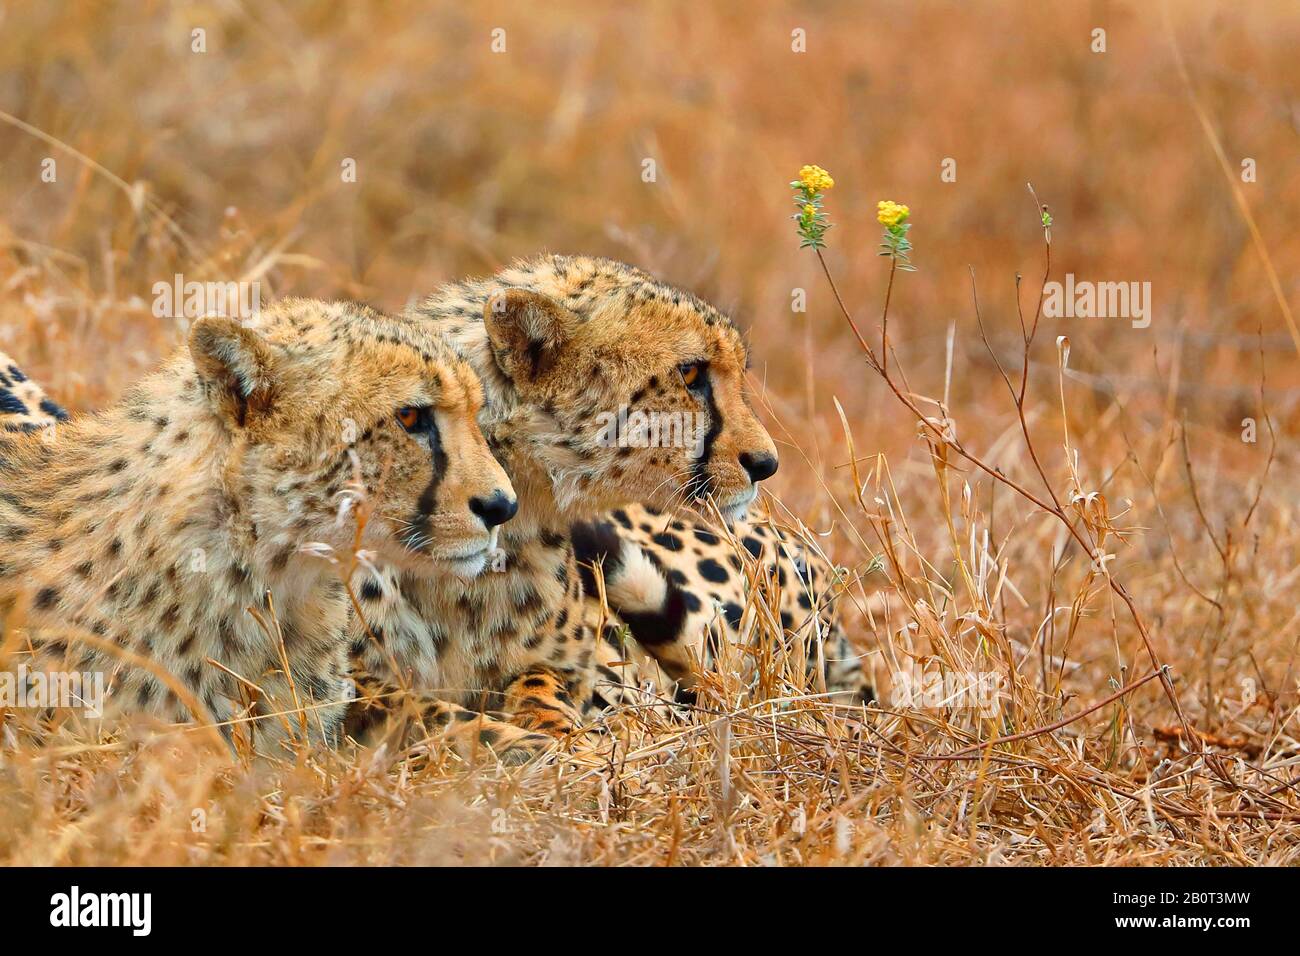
(693, 376)
(415, 420)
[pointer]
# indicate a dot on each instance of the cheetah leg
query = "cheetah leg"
(380, 705)
(618, 679)
(624, 686)
(468, 730)
(539, 700)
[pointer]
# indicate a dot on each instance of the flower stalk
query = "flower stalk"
(896, 245)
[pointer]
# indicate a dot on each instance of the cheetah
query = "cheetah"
(680, 586)
(24, 406)
(176, 541)
(565, 347)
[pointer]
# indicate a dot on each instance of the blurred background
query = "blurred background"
(228, 164)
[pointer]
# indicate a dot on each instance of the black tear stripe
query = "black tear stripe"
(697, 487)
(429, 497)
(596, 541)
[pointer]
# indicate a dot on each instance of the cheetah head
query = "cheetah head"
(637, 388)
(343, 426)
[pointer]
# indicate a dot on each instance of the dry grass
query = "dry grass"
(226, 165)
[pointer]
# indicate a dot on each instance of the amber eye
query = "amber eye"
(410, 417)
(692, 374)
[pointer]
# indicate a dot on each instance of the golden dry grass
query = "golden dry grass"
(226, 165)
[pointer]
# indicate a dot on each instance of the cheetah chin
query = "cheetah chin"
(470, 566)
(738, 508)
(472, 561)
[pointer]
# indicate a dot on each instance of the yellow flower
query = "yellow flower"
(809, 209)
(815, 179)
(890, 213)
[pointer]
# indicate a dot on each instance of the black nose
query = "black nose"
(494, 510)
(760, 466)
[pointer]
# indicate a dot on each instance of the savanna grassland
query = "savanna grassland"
(1109, 526)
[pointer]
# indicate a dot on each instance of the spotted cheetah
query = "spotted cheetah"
(24, 406)
(176, 540)
(561, 345)
(680, 587)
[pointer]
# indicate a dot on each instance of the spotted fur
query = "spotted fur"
(559, 343)
(195, 528)
(24, 406)
(677, 602)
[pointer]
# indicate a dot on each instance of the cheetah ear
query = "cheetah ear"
(527, 331)
(237, 362)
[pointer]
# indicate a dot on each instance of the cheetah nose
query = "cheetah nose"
(495, 509)
(760, 466)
